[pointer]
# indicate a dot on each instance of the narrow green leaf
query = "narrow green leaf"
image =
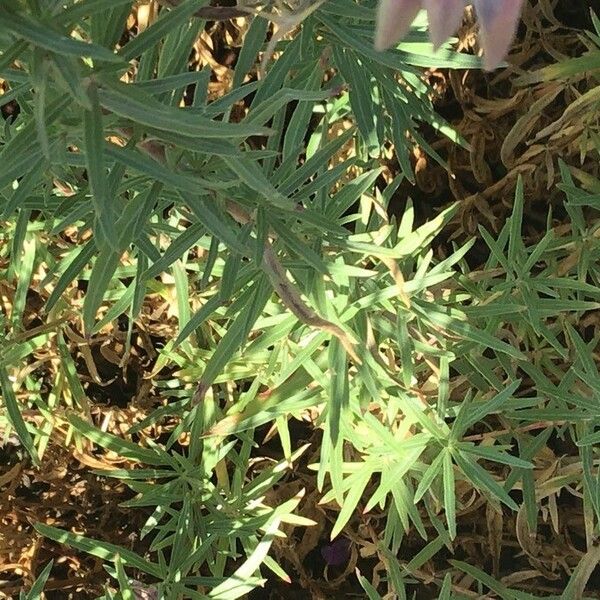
(124, 586)
(339, 393)
(490, 453)
(240, 582)
(140, 107)
(101, 276)
(355, 493)
(167, 22)
(43, 35)
(69, 73)
(238, 331)
(369, 589)
(449, 493)
(14, 415)
(120, 446)
(484, 578)
(470, 413)
(35, 593)
(86, 8)
(253, 41)
(433, 470)
(446, 588)
(582, 574)
(103, 550)
(93, 135)
(481, 479)
(72, 265)
(176, 250)
(24, 262)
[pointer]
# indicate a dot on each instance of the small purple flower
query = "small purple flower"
(498, 21)
(337, 553)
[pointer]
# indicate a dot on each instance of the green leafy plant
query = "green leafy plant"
(35, 593)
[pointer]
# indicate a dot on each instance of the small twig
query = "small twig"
(293, 301)
(212, 13)
(524, 429)
(286, 23)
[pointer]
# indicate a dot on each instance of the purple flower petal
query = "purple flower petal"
(498, 22)
(394, 18)
(444, 18)
(337, 553)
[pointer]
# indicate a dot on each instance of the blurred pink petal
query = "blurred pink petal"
(394, 18)
(498, 24)
(444, 18)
